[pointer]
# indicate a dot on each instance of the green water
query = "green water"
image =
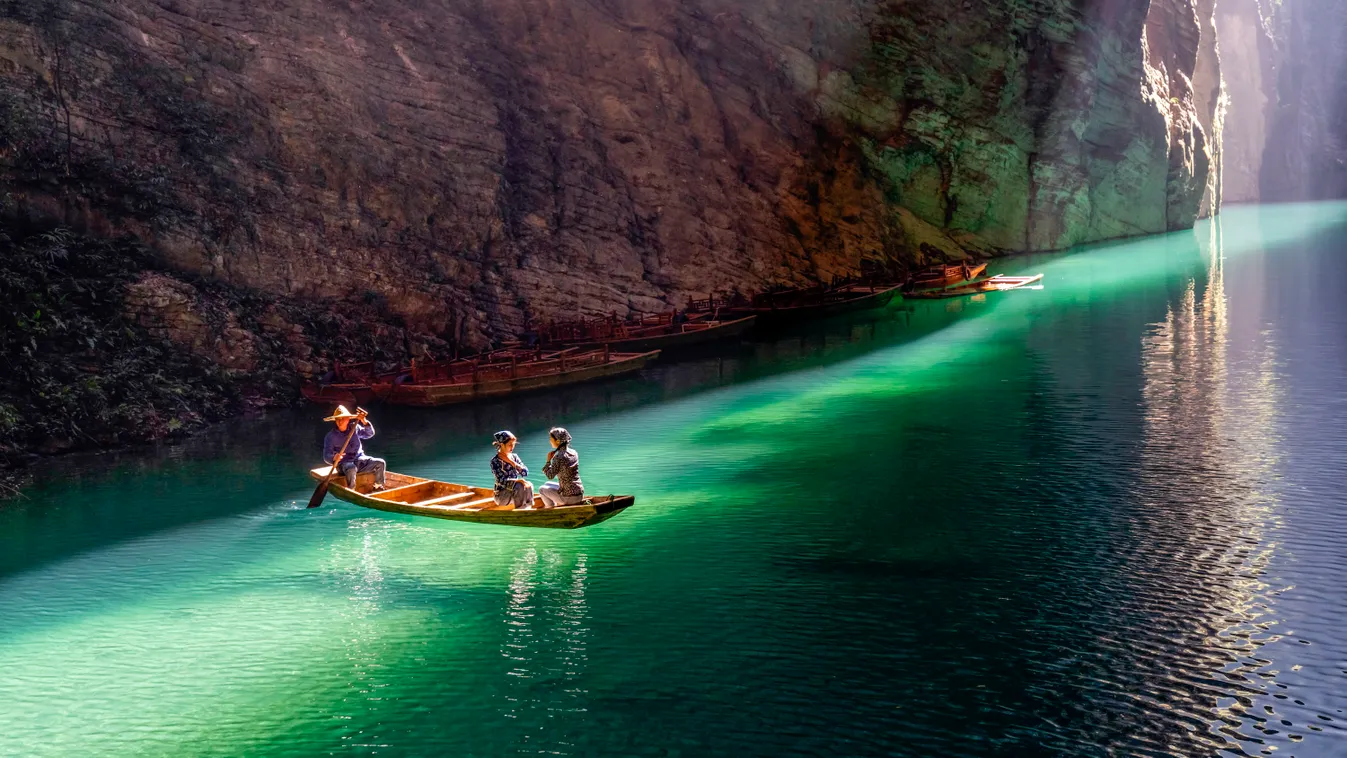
(1103, 515)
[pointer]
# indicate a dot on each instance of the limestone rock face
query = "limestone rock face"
(1247, 58)
(474, 164)
(1305, 157)
(1210, 105)
(1183, 81)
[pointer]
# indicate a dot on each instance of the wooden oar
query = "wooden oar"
(321, 491)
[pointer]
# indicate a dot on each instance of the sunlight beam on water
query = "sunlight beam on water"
(283, 630)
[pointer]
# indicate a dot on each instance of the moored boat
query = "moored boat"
(660, 333)
(794, 306)
(503, 373)
(937, 277)
(346, 384)
(337, 394)
(994, 284)
(460, 502)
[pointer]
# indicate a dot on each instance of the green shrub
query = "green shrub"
(79, 374)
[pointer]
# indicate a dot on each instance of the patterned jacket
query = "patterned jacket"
(505, 471)
(565, 468)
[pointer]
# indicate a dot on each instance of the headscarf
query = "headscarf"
(501, 437)
(562, 436)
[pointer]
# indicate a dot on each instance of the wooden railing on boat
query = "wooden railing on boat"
(507, 364)
(837, 290)
(612, 329)
(351, 373)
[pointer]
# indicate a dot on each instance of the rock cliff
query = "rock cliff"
(1305, 157)
(473, 164)
(1285, 138)
(1247, 58)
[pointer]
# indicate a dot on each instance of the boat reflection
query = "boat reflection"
(546, 639)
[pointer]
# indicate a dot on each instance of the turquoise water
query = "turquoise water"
(1103, 515)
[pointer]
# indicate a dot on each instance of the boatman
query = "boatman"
(353, 461)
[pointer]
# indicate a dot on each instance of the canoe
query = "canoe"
(460, 502)
(994, 284)
(938, 277)
(778, 309)
(671, 336)
(468, 380)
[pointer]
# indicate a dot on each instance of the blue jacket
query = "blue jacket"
(336, 438)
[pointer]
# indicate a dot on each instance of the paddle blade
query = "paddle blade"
(319, 493)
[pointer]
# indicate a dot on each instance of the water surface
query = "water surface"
(1107, 515)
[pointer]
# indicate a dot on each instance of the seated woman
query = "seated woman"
(511, 486)
(563, 464)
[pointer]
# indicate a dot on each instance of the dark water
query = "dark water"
(1104, 517)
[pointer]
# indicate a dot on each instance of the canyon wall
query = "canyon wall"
(478, 163)
(1305, 157)
(1285, 63)
(1247, 60)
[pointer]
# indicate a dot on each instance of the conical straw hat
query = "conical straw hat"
(341, 413)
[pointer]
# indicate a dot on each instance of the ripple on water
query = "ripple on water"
(1102, 518)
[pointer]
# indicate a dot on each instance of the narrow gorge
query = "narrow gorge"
(242, 192)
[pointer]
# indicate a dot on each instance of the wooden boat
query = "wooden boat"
(351, 383)
(503, 373)
(794, 306)
(938, 277)
(994, 284)
(337, 394)
(460, 502)
(665, 333)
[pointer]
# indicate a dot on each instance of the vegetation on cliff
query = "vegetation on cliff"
(103, 348)
(78, 374)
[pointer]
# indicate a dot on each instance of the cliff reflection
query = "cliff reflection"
(1211, 389)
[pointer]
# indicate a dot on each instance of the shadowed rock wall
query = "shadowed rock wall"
(474, 163)
(1286, 82)
(1306, 152)
(1247, 59)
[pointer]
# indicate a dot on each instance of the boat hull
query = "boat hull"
(994, 284)
(397, 498)
(430, 395)
(946, 276)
